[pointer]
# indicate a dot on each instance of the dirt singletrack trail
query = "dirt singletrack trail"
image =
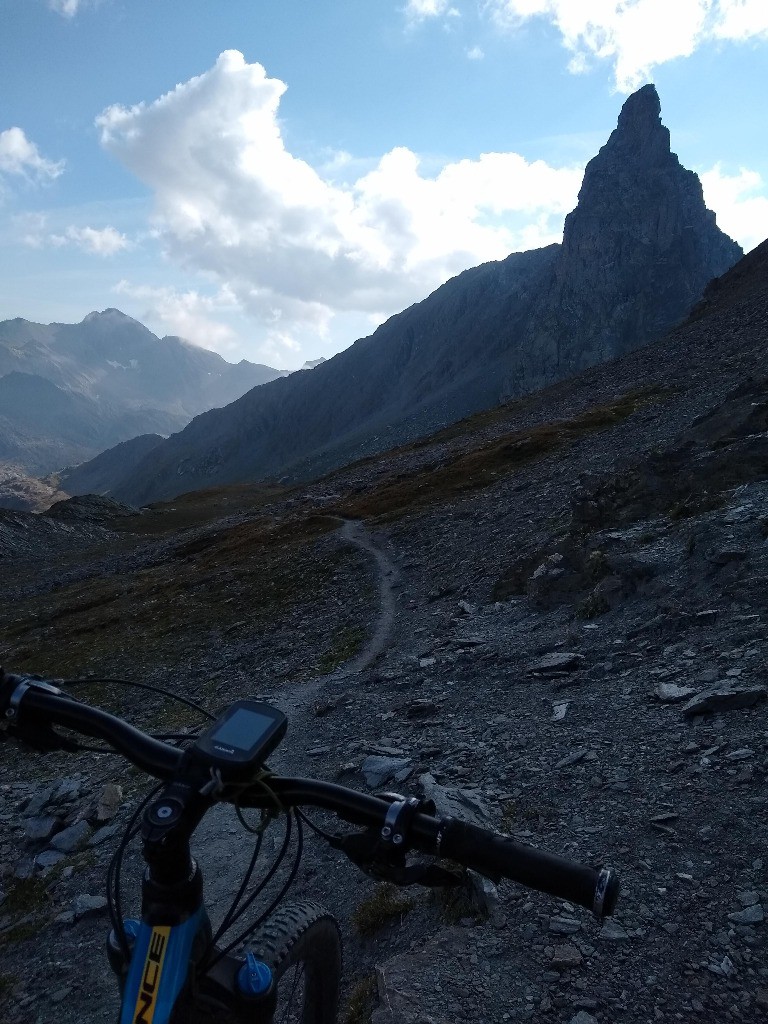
(355, 531)
(305, 730)
(294, 699)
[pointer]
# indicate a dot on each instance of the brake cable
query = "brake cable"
(233, 914)
(141, 686)
(277, 900)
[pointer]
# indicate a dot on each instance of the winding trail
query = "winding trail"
(293, 699)
(305, 729)
(356, 533)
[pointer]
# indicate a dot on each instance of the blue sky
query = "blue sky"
(273, 178)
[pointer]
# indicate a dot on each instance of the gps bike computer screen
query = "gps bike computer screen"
(243, 729)
(241, 739)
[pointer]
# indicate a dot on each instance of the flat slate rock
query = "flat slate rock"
(378, 770)
(453, 802)
(73, 838)
(724, 699)
(671, 693)
(560, 661)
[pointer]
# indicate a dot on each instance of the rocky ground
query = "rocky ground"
(553, 615)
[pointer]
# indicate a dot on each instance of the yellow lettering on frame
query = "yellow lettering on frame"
(150, 979)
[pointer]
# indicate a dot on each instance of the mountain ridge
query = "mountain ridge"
(108, 379)
(637, 253)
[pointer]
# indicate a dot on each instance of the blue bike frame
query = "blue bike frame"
(159, 969)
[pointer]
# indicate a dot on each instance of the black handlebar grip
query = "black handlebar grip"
(486, 852)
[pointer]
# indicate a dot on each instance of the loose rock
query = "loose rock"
(724, 700)
(73, 838)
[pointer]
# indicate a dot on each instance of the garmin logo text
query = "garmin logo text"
(150, 981)
(223, 749)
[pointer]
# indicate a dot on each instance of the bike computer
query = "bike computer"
(239, 742)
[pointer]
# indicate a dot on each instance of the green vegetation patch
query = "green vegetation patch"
(21, 933)
(243, 576)
(7, 984)
(361, 1001)
(695, 505)
(196, 508)
(26, 899)
(384, 908)
(25, 896)
(597, 565)
(592, 606)
(345, 644)
(483, 465)
(456, 904)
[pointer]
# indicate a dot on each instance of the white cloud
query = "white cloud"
(475, 53)
(18, 155)
(636, 35)
(29, 228)
(32, 229)
(417, 11)
(67, 8)
(187, 314)
(100, 241)
(70, 8)
(741, 203)
(280, 349)
(296, 248)
(741, 19)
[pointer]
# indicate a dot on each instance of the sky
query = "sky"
(272, 179)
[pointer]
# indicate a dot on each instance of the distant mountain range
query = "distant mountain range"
(68, 391)
(636, 254)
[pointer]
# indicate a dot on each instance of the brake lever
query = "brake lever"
(366, 852)
(381, 853)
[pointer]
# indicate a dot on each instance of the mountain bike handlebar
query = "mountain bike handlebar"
(29, 705)
(474, 847)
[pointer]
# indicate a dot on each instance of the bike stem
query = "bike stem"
(172, 886)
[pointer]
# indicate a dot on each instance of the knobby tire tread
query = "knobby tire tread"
(305, 933)
(296, 934)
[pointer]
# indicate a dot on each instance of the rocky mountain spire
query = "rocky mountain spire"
(639, 130)
(639, 205)
(637, 252)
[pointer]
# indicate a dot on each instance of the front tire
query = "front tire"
(302, 945)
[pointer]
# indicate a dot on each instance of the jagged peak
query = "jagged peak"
(641, 109)
(639, 130)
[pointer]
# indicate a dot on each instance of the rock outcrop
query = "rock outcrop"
(637, 253)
